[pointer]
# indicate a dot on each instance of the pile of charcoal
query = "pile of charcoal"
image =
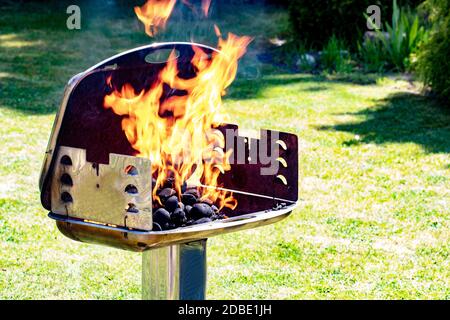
(190, 210)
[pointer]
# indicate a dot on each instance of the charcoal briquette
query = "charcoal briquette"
(187, 209)
(161, 216)
(188, 199)
(171, 203)
(178, 217)
(165, 194)
(156, 227)
(201, 210)
(193, 191)
(172, 226)
(202, 220)
(169, 183)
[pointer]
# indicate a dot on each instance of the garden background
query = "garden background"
(372, 116)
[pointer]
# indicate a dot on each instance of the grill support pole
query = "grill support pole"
(176, 272)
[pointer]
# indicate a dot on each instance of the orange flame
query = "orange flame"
(205, 6)
(178, 134)
(217, 31)
(154, 14)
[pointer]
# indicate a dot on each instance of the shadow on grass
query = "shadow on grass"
(403, 118)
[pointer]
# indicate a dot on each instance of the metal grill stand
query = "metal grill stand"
(87, 185)
(175, 272)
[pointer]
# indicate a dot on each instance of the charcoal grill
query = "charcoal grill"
(84, 178)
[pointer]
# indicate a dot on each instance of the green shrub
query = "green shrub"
(402, 38)
(434, 55)
(335, 56)
(291, 55)
(304, 63)
(316, 21)
(372, 54)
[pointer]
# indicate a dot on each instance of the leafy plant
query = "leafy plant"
(372, 54)
(433, 56)
(305, 61)
(402, 37)
(335, 57)
(314, 21)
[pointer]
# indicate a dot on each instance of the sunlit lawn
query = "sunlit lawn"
(373, 216)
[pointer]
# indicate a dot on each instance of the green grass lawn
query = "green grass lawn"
(373, 216)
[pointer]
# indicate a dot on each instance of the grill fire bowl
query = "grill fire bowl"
(82, 123)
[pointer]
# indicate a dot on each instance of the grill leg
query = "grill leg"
(175, 272)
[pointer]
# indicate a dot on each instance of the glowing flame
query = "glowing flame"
(178, 133)
(204, 5)
(154, 14)
(173, 123)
